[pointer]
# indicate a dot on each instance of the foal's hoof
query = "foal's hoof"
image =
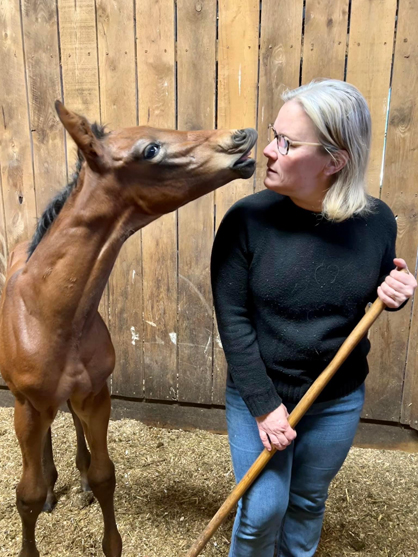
(112, 544)
(49, 504)
(84, 499)
(85, 486)
(30, 551)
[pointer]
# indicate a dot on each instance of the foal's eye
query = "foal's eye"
(151, 151)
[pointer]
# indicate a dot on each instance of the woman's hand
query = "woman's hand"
(274, 429)
(397, 287)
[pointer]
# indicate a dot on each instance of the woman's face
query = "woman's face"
(303, 174)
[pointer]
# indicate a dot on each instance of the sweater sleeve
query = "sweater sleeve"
(229, 273)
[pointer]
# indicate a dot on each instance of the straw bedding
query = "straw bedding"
(170, 483)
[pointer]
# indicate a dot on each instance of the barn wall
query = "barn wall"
(203, 64)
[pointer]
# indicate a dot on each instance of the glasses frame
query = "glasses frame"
(291, 143)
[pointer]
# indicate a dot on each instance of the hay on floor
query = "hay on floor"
(170, 483)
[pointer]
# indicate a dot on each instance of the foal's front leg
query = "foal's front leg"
(83, 458)
(94, 413)
(31, 430)
(50, 473)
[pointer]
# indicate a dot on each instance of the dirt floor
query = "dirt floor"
(171, 483)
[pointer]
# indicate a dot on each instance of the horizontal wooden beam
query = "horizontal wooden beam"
(182, 416)
(390, 436)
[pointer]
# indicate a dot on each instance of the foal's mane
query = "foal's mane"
(56, 204)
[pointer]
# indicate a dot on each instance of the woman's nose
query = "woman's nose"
(270, 151)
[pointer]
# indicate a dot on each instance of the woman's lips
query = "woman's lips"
(271, 170)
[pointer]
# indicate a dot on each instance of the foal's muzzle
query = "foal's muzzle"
(244, 141)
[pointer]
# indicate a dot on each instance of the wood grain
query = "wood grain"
(15, 145)
(196, 68)
(157, 107)
(400, 192)
(237, 108)
(369, 67)
(116, 51)
(40, 31)
(80, 73)
(325, 39)
(80, 76)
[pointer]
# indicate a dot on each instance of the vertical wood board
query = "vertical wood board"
(78, 44)
(196, 52)
(157, 107)
(325, 39)
(116, 54)
(15, 145)
(40, 31)
(400, 192)
(237, 108)
(369, 67)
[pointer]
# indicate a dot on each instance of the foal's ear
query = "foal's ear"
(80, 130)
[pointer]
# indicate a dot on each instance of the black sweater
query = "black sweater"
(289, 287)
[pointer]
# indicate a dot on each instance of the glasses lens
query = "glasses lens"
(282, 144)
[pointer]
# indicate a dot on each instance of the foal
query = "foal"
(54, 346)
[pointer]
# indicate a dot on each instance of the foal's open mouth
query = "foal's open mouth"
(245, 165)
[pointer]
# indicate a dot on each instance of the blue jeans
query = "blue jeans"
(282, 512)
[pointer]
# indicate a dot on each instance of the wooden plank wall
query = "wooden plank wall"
(196, 55)
(237, 103)
(196, 64)
(118, 104)
(400, 192)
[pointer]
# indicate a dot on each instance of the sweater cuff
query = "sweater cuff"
(262, 403)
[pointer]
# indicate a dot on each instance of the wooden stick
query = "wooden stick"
(303, 406)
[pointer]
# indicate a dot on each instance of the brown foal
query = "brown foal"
(54, 346)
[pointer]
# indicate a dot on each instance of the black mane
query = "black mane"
(56, 204)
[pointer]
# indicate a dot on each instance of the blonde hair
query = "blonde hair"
(341, 115)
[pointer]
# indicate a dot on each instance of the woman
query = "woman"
(293, 268)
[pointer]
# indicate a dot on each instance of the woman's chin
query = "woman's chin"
(272, 180)
(268, 182)
(271, 185)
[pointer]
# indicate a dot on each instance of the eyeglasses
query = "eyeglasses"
(283, 142)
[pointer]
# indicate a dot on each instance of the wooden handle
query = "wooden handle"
(303, 406)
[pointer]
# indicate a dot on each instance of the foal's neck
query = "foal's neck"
(68, 270)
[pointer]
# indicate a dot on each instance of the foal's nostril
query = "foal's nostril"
(240, 136)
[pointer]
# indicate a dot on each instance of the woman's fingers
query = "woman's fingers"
(290, 433)
(400, 263)
(278, 438)
(405, 277)
(398, 286)
(392, 294)
(283, 439)
(274, 429)
(401, 283)
(401, 276)
(389, 302)
(279, 441)
(265, 440)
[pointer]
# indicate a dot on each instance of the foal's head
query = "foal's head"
(160, 170)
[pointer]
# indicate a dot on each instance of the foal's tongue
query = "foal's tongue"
(245, 156)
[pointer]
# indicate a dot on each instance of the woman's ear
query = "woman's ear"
(337, 161)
